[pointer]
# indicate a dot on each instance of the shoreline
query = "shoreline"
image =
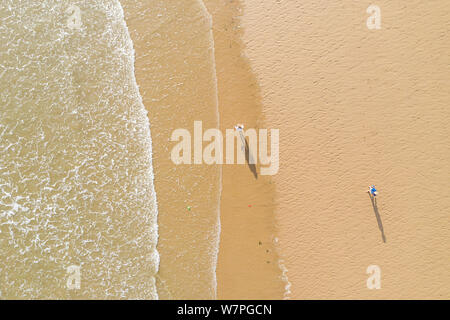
(178, 86)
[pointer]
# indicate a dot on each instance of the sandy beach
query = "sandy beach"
(354, 107)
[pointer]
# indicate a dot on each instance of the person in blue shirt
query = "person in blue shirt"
(373, 191)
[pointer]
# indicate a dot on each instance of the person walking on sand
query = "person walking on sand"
(373, 191)
(240, 128)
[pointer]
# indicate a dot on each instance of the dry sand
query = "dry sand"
(355, 107)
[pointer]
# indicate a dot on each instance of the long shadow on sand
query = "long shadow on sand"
(377, 215)
(249, 159)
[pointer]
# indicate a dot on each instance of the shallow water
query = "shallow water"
(76, 177)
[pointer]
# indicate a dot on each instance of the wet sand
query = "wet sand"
(357, 107)
(248, 262)
(247, 266)
(175, 73)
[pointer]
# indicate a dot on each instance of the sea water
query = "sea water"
(76, 176)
